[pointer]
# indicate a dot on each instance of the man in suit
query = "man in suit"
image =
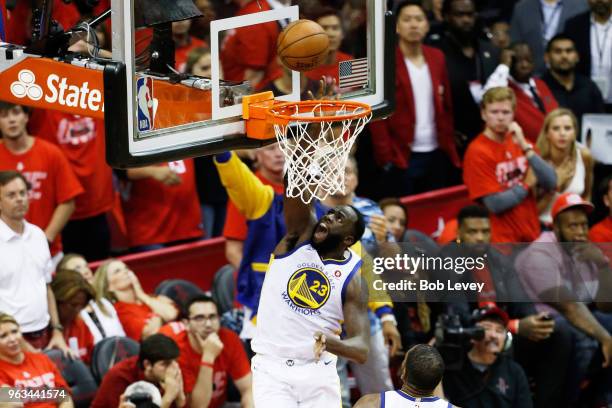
(592, 34)
(537, 21)
(469, 60)
(415, 146)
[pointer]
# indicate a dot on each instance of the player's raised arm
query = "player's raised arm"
(355, 345)
(300, 219)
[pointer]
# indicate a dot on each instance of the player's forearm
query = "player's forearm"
(250, 196)
(355, 348)
(58, 221)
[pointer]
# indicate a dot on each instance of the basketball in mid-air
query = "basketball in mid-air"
(302, 45)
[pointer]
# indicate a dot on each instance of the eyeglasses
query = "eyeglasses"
(203, 318)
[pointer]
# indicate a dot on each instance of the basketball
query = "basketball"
(302, 45)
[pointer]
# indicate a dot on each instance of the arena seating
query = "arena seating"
(197, 262)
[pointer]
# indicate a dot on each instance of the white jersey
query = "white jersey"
(301, 294)
(399, 399)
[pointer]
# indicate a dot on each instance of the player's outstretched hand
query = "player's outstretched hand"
(326, 91)
(320, 344)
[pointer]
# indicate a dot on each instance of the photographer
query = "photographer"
(488, 378)
(541, 348)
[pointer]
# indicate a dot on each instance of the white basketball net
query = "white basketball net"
(316, 152)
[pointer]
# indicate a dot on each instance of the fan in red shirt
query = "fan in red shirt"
(208, 355)
(22, 369)
(81, 139)
(329, 19)
(72, 294)
(501, 170)
(161, 205)
(248, 53)
(602, 231)
(141, 315)
(271, 161)
(54, 184)
(155, 363)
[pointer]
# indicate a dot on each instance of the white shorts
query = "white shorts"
(295, 383)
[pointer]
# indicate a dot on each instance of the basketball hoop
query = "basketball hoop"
(316, 138)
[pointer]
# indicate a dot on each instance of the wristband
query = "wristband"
(528, 148)
(206, 364)
(223, 157)
(388, 318)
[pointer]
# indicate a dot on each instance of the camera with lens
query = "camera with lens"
(453, 340)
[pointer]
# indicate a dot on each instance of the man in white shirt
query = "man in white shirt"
(25, 271)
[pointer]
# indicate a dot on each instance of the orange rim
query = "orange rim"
(280, 113)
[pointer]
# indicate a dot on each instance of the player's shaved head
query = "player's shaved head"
(423, 368)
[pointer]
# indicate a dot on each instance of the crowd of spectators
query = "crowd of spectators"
(491, 94)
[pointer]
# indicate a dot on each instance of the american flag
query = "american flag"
(353, 73)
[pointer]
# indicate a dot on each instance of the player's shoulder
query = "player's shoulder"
(369, 401)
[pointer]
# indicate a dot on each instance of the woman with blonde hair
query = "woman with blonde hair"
(572, 161)
(20, 368)
(99, 315)
(140, 314)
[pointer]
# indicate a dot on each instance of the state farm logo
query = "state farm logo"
(25, 86)
(59, 91)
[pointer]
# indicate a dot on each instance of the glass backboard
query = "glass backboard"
(152, 117)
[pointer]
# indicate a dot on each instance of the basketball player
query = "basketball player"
(422, 371)
(312, 286)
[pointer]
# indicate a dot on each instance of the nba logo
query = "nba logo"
(146, 104)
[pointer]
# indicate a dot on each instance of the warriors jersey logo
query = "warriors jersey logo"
(308, 288)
